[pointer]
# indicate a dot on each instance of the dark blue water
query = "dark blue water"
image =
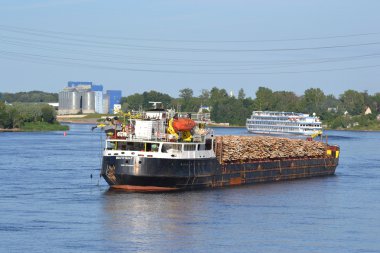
(49, 203)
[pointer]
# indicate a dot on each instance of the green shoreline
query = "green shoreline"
(56, 127)
(3, 130)
(37, 127)
(93, 121)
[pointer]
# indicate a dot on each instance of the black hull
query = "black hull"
(156, 174)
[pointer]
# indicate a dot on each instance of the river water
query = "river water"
(50, 203)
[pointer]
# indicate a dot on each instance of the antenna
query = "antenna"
(154, 104)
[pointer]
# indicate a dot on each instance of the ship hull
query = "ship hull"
(159, 174)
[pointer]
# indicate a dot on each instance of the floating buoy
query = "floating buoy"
(64, 133)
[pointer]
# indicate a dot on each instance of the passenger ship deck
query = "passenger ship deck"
(270, 122)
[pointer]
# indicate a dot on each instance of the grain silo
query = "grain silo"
(88, 102)
(69, 102)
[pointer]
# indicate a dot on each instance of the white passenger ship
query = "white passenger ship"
(270, 122)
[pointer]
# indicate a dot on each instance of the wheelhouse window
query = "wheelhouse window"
(208, 144)
(171, 148)
(135, 146)
(111, 145)
(152, 147)
(189, 147)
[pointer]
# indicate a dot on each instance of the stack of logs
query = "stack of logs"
(252, 148)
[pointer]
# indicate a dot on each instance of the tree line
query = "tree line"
(18, 115)
(336, 112)
(343, 111)
(29, 97)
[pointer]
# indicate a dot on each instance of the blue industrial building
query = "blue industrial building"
(97, 87)
(73, 84)
(114, 98)
(98, 90)
(102, 103)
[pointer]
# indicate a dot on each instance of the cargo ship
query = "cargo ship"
(271, 122)
(157, 151)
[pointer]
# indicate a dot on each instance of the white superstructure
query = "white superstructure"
(148, 137)
(270, 122)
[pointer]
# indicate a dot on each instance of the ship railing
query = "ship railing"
(160, 138)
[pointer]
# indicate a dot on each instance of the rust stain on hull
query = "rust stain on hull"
(236, 181)
(136, 188)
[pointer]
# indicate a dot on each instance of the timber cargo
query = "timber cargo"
(147, 153)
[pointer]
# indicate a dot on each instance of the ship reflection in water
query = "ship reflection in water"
(240, 218)
(154, 222)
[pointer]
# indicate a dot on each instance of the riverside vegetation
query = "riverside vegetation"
(344, 112)
(28, 117)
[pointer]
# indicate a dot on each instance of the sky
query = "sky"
(169, 45)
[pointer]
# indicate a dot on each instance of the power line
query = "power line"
(71, 64)
(72, 43)
(97, 44)
(47, 32)
(183, 61)
(270, 64)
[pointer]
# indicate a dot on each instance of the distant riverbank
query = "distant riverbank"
(357, 129)
(84, 120)
(37, 126)
(93, 119)
(79, 119)
(10, 130)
